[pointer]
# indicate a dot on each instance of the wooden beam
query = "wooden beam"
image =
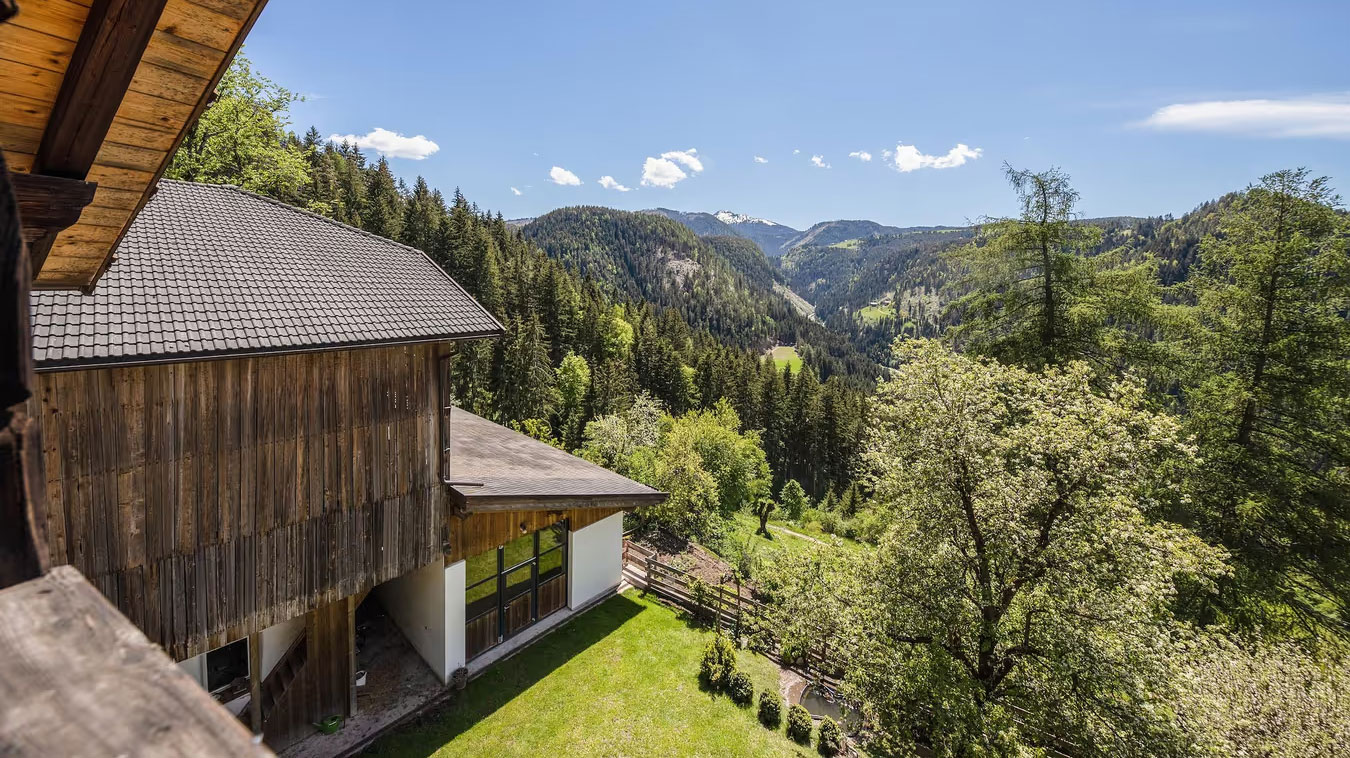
(48, 204)
(105, 59)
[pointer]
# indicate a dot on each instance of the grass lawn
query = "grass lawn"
(787, 356)
(873, 314)
(793, 543)
(619, 680)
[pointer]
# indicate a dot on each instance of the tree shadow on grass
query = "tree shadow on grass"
(505, 680)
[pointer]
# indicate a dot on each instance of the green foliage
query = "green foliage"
(1036, 297)
(770, 709)
(829, 739)
(538, 429)
(1267, 391)
(242, 139)
(1023, 567)
(740, 689)
(799, 725)
(794, 500)
(719, 663)
(573, 382)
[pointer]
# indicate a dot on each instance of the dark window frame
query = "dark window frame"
(500, 607)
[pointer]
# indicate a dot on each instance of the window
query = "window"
(512, 587)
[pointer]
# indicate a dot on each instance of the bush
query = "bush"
(719, 663)
(799, 725)
(830, 740)
(829, 522)
(740, 688)
(770, 709)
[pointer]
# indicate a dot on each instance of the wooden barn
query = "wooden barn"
(248, 429)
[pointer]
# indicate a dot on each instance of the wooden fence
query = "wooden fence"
(736, 613)
(728, 606)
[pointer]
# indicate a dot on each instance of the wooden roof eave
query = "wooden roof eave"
(103, 95)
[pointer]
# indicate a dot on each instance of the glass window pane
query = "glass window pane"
(551, 537)
(518, 581)
(518, 550)
(226, 664)
(551, 563)
(480, 567)
(480, 598)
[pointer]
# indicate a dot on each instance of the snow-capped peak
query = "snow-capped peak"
(727, 217)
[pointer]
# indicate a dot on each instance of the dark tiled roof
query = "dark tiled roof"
(497, 467)
(207, 270)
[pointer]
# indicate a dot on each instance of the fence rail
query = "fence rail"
(736, 613)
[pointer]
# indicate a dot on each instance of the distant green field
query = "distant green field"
(787, 356)
(848, 244)
(873, 314)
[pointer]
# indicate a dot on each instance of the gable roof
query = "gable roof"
(495, 468)
(208, 270)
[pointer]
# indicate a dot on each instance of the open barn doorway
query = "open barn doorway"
(389, 669)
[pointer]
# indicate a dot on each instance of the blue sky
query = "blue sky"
(1152, 107)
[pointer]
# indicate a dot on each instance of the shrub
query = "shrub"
(770, 709)
(829, 522)
(740, 688)
(719, 663)
(799, 725)
(848, 528)
(830, 740)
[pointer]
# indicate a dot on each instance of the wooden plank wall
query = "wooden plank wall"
(478, 532)
(192, 42)
(210, 500)
(323, 685)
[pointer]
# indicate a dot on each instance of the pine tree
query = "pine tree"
(382, 213)
(524, 379)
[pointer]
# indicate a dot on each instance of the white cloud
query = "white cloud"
(666, 171)
(819, 162)
(1310, 116)
(796, 152)
(907, 158)
(560, 175)
(861, 155)
(608, 183)
(516, 192)
(659, 172)
(391, 144)
(760, 159)
(688, 157)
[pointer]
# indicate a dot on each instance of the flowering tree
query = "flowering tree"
(1022, 590)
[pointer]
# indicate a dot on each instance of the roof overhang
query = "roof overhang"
(95, 98)
(496, 469)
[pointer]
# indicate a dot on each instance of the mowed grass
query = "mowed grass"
(619, 680)
(796, 540)
(787, 356)
(873, 314)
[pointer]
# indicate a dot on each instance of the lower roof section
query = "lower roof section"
(496, 469)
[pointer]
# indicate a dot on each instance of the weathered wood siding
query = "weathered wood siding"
(210, 500)
(477, 532)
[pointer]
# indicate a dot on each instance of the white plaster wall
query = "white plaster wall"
(596, 555)
(454, 616)
(195, 667)
(276, 640)
(428, 607)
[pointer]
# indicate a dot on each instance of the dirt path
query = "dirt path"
(807, 537)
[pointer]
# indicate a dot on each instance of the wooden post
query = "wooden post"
(351, 652)
(255, 677)
(23, 544)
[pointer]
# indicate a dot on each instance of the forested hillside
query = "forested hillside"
(627, 304)
(723, 285)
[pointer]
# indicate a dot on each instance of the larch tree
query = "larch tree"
(1268, 398)
(1037, 297)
